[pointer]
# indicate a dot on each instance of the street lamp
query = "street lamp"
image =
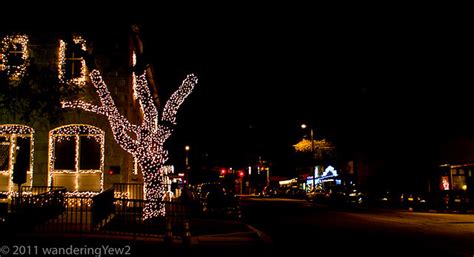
(187, 148)
(304, 126)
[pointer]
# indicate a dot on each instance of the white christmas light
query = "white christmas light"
(147, 146)
(74, 132)
(135, 166)
(165, 171)
(134, 79)
(16, 129)
(81, 80)
(14, 72)
(13, 131)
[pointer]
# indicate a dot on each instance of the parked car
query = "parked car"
(295, 193)
(450, 200)
(384, 199)
(355, 197)
(414, 201)
(270, 191)
(347, 196)
(317, 195)
(217, 201)
(337, 196)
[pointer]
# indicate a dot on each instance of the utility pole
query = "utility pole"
(313, 153)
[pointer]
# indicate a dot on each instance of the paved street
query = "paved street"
(301, 226)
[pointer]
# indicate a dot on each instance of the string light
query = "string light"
(16, 129)
(135, 166)
(134, 80)
(74, 132)
(121, 195)
(147, 146)
(78, 199)
(13, 131)
(305, 145)
(81, 79)
(165, 171)
(14, 72)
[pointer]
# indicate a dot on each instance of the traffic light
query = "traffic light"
(223, 171)
(241, 173)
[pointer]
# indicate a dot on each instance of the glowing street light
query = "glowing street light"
(304, 126)
(187, 168)
(187, 148)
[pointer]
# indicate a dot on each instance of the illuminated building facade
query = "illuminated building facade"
(78, 152)
(453, 183)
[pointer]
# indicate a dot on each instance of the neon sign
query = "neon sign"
(327, 176)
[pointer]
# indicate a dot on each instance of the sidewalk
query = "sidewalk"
(225, 232)
(204, 234)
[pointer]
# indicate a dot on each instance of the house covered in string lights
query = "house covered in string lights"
(77, 152)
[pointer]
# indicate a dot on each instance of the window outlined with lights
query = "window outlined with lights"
(16, 149)
(76, 158)
(14, 56)
(71, 65)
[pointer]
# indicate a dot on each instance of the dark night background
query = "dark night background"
(392, 84)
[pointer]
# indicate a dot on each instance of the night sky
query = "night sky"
(394, 84)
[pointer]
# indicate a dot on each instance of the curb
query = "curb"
(223, 240)
(264, 237)
(253, 237)
(452, 211)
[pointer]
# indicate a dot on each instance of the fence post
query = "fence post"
(168, 233)
(186, 234)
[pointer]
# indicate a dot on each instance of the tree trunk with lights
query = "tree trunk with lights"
(147, 143)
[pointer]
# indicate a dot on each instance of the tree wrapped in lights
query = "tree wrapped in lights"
(145, 141)
(318, 148)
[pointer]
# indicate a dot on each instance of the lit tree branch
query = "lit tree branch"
(150, 119)
(178, 97)
(318, 148)
(84, 106)
(147, 144)
(148, 147)
(120, 125)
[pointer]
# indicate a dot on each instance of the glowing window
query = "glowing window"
(14, 56)
(16, 155)
(76, 158)
(72, 67)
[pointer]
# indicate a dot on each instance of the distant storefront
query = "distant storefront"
(323, 178)
(453, 185)
(456, 177)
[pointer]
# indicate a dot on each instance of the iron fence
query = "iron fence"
(52, 210)
(128, 191)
